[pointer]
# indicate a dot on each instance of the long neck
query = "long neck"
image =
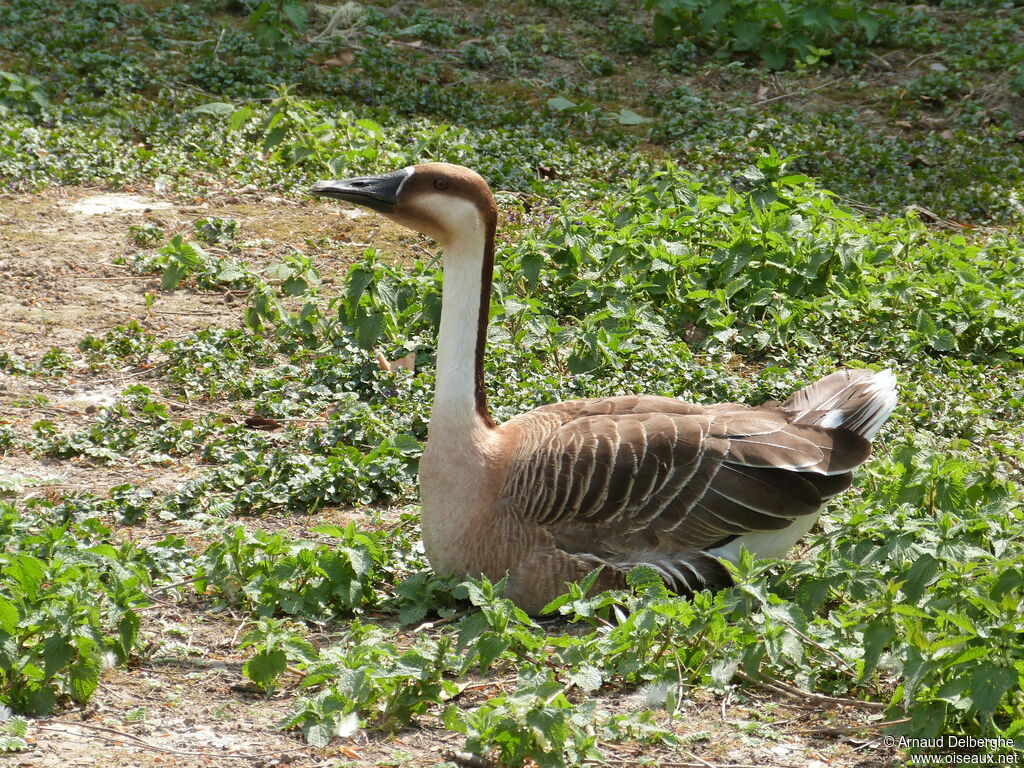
(460, 403)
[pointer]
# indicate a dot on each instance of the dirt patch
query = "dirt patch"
(189, 706)
(114, 202)
(61, 281)
(58, 278)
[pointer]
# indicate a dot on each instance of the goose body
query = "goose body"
(615, 482)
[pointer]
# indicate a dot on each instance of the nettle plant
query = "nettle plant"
(270, 574)
(69, 600)
(780, 32)
(777, 272)
(296, 132)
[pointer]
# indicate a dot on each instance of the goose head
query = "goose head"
(449, 203)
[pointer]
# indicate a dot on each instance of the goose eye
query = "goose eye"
(441, 183)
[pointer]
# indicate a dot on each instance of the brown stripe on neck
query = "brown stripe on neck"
(486, 277)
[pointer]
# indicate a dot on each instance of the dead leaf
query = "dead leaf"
(548, 172)
(258, 422)
(341, 59)
(404, 363)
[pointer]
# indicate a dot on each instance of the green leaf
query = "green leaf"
(57, 654)
(629, 117)
(229, 272)
(84, 674)
(646, 580)
(989, 683)
(218, 108)
(252, 319)
(869, 24)
(943, 341)
(8, 616)
(663, 27)
(453, 719)
(41, 701)
(370, 126)
(920, 575)
(39, 97)
(296, 14)
(27, 572)
(470, 628)
(531, 265)
(876, 636)
(407, 444)
(274, 137)
(560, 104)
(587, 677)
(490, 647)
(369, 328)
(318, 733)
(265, 667)
(172, 276)
(239, 117)
(127, 632)
(358, 279)
(714, 14)
(295, 286)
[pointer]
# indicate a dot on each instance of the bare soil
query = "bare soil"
(187, 703)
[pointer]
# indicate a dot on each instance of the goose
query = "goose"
(612, 482)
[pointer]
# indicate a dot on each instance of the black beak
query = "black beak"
(377, 192)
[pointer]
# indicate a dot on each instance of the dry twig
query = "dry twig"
(663, 764)
(470, 760)
(779, 686)
(102, 733)
(798, 93)
(842, 730)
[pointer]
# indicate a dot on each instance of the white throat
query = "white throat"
(455, 408)
(457, 469)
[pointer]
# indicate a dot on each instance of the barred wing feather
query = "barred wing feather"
(655, 481)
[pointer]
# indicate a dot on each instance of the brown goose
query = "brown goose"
(615, 482)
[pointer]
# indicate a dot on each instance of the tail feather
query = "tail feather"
(856, 400)
(685, 572)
